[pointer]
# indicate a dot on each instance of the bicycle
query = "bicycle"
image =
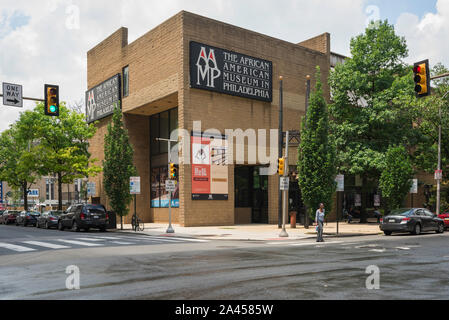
(137, 225)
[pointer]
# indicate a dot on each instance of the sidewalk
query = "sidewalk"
(256, 232)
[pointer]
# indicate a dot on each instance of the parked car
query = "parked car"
(27, 218)
(413, 220)
(9, 216)
(84, 216)
(49, 219)
(445, 217)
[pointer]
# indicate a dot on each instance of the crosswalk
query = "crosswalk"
(335, 244)
(21, 246)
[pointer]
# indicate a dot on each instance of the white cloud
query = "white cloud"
(46, 51)
(426, 37)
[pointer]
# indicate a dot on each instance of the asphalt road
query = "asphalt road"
(127, 266)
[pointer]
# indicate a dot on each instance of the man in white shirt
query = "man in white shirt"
(319, 219)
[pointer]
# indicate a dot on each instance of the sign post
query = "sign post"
(134, 188)
(340, 179)
(170, 228)
(284, 183)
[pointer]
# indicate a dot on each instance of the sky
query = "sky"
(46, 41)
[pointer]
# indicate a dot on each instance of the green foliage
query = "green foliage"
(20, 157)
(316, 153)
(65, 143)
(366, 115)
(118, 165)
(39, 145)
(395, 180)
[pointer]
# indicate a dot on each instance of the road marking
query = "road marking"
(180, 239)
(378, 250)
(107, 238)
(123, 243)
(46, 245)
(281, 243)
(89, 239)
(402, 248)
(87, 244)
(315, 243)
(14, 247)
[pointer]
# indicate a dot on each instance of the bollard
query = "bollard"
(293, 219)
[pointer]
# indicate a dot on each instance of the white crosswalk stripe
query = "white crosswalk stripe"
(16, 248)
(177, 239)
(316, 243)
(46, 245)
(107, 238)
(122, 243)
(80, 243)
(89, 239)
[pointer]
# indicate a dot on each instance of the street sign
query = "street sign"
(134, 185)
(340, 179)
(284, 183)
(438, 174)
(377, 200)
(91, 189)
(33, 193)
(414, 188)
(12, 95)
(170, 185)
(358, 200)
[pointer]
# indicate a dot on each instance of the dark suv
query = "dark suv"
(84, 216)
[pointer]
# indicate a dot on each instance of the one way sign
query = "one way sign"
(12, 95)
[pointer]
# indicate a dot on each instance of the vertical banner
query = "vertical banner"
(210, 173)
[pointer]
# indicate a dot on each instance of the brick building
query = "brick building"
(192, 68)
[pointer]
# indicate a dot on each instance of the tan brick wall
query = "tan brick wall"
(222, 111)
(319, 43)
(159, 67)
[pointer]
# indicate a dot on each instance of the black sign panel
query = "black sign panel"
(102, 99)
(231, 73)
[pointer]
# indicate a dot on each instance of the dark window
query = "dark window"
(126, 81)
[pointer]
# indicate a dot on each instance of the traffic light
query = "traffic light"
(173, 171)
(51, 100)
(281, 166)
(422, 78)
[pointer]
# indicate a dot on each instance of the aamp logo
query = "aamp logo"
(207, 68)
(91, 105)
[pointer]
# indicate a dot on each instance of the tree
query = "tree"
(20, 158)
(316, 153)
(118, 165)
(366, 115)
(65, 142)
(395, 180)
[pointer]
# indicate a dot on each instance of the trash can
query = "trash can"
(293, 219)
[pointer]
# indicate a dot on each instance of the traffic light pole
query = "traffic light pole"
(170, 228)
(284, 233)
(281, 143)
(31, 99)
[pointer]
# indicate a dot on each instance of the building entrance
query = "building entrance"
(251, 195)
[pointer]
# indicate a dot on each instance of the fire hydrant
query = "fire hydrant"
(293, 219)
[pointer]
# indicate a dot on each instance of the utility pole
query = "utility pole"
(281, 143)
(170, 228)
(284, 233)
(306, 217)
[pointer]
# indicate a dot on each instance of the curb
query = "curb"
(311, 236)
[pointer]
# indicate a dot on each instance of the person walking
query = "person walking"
(319, 219)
